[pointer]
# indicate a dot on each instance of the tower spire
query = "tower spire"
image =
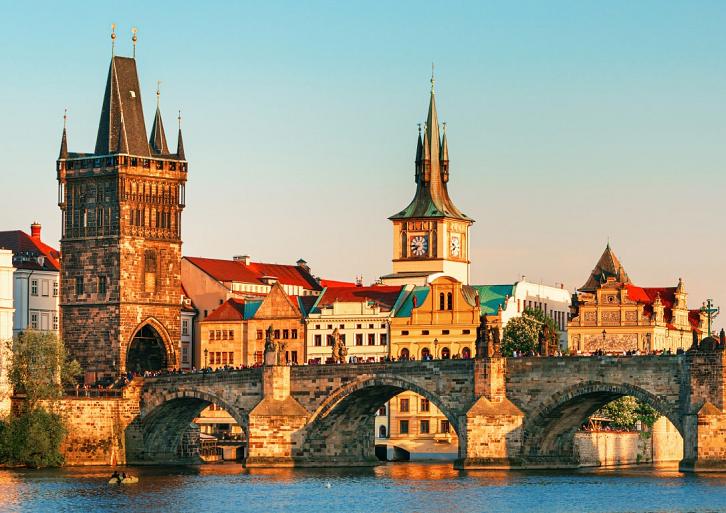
(113, 39)
(64, 139)
(180, 141)
(134, 30)
(157, 139)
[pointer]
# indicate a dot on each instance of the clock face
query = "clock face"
(455, 244)
(419, 245)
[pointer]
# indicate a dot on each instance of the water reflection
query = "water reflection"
(403, 487)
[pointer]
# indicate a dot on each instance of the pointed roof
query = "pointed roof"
(63, 154)
(444, 147)
(432, 195)
(122, 115)
(607, 267)
(180, 146)
(157, 139)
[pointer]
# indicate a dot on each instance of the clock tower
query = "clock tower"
(430, 235)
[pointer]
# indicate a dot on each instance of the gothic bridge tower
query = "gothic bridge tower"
(430, 235)
(121, 237)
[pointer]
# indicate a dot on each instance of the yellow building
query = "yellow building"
(614, 316)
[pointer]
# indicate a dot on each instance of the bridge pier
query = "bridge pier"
(490, 433)
(276, 424)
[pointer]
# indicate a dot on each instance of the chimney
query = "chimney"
(302, 263)
(722, 338)
(35, 230)
(245, 259)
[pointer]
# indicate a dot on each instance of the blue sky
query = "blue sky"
(568, 123)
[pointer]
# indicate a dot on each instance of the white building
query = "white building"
(511, 300)
(6, 326)
(36, 280)
(186, 343)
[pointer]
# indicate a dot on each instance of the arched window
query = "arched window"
(466, 353)
(445, 353)
(403, 355)
(150, 268)
(382, 432)
(425, 353)
(449, 301)
(441, 301)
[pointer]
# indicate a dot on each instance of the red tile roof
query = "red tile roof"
(647, 296)
(231, 310)
(385, 296)
(26, 249)
(335, 283)
(238, 271)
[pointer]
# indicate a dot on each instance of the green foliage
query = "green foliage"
(523, 333)
(625, 412)
(32, 438)
(41, 368)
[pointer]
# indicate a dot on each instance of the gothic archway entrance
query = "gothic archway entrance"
(146, 351)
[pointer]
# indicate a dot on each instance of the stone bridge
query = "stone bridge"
(507, 413)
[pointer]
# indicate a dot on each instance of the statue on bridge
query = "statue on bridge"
(339, 349)
(274, 349)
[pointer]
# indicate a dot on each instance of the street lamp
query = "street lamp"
(604, 334)
(206, 352)
(436, 341)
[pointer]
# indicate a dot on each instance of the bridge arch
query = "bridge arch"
(342, 428)
(169, 415)
(549, 430)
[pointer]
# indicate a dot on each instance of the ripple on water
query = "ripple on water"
(405, 488)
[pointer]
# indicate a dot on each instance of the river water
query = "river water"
(400, 487)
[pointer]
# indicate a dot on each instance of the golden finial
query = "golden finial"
(433, 80)
(158, 92)
(444, 125)
(134, 30)
(65, 118)
(419, 128)
(113, 38)
(179, 119)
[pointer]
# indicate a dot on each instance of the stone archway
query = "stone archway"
(163, 426)
(150, 349)
(548, 435)
(342, 429)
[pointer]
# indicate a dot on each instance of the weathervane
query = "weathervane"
(134, 30)
(158, 92)
(113, 38)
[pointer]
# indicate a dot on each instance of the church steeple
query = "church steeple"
(157, 140)
(180, 142)
(63, 154)
(432, 172)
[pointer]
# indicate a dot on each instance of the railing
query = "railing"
(93, 392)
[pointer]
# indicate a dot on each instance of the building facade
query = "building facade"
(6, 327)
(35, 281)
(362, 318)
(430, 235)
(121, 237)
(614, 316)
(235, 333)
(186, 342)
(210, 282)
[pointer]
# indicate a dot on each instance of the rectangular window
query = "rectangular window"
(404, 332)
(258, 357)
(34, 320)
(211, 334)
(185, 354)
(231, 334)
(55, 289)
(218, 334)
(45, 288)
(55, 322)
(79, 285)
(359, 339)
(370, 326)
(101, 284)
(342, 327)
(185, 327)
(33, 287)
(230, 358)
(384, 339)
(424, 427)
(403, 427)
(277, 334)
(403, 406)
(465, 332)
(444, 426)
(260, 335)
(224, 358)
(294, 356)
(382, 411)
(383, 326)
(285, 334)
(425, 405)
(424, 332)
(444, 332)
(329, 340)
(293, 334)
(371, 339)
(317, 326)
(318, 340)
(358, 326)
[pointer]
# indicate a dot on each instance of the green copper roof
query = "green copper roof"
(250, 308)
(420, 293)
(491, 297)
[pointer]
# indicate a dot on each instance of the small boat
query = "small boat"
(126, 480)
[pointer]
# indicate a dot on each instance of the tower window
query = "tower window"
(441, 301)
(79, 285)
(101, 284)
(150, 266)
(449, 301)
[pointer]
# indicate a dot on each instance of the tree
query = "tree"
(40, 367)
(625, 413)
(40, 370)
(523, 333)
